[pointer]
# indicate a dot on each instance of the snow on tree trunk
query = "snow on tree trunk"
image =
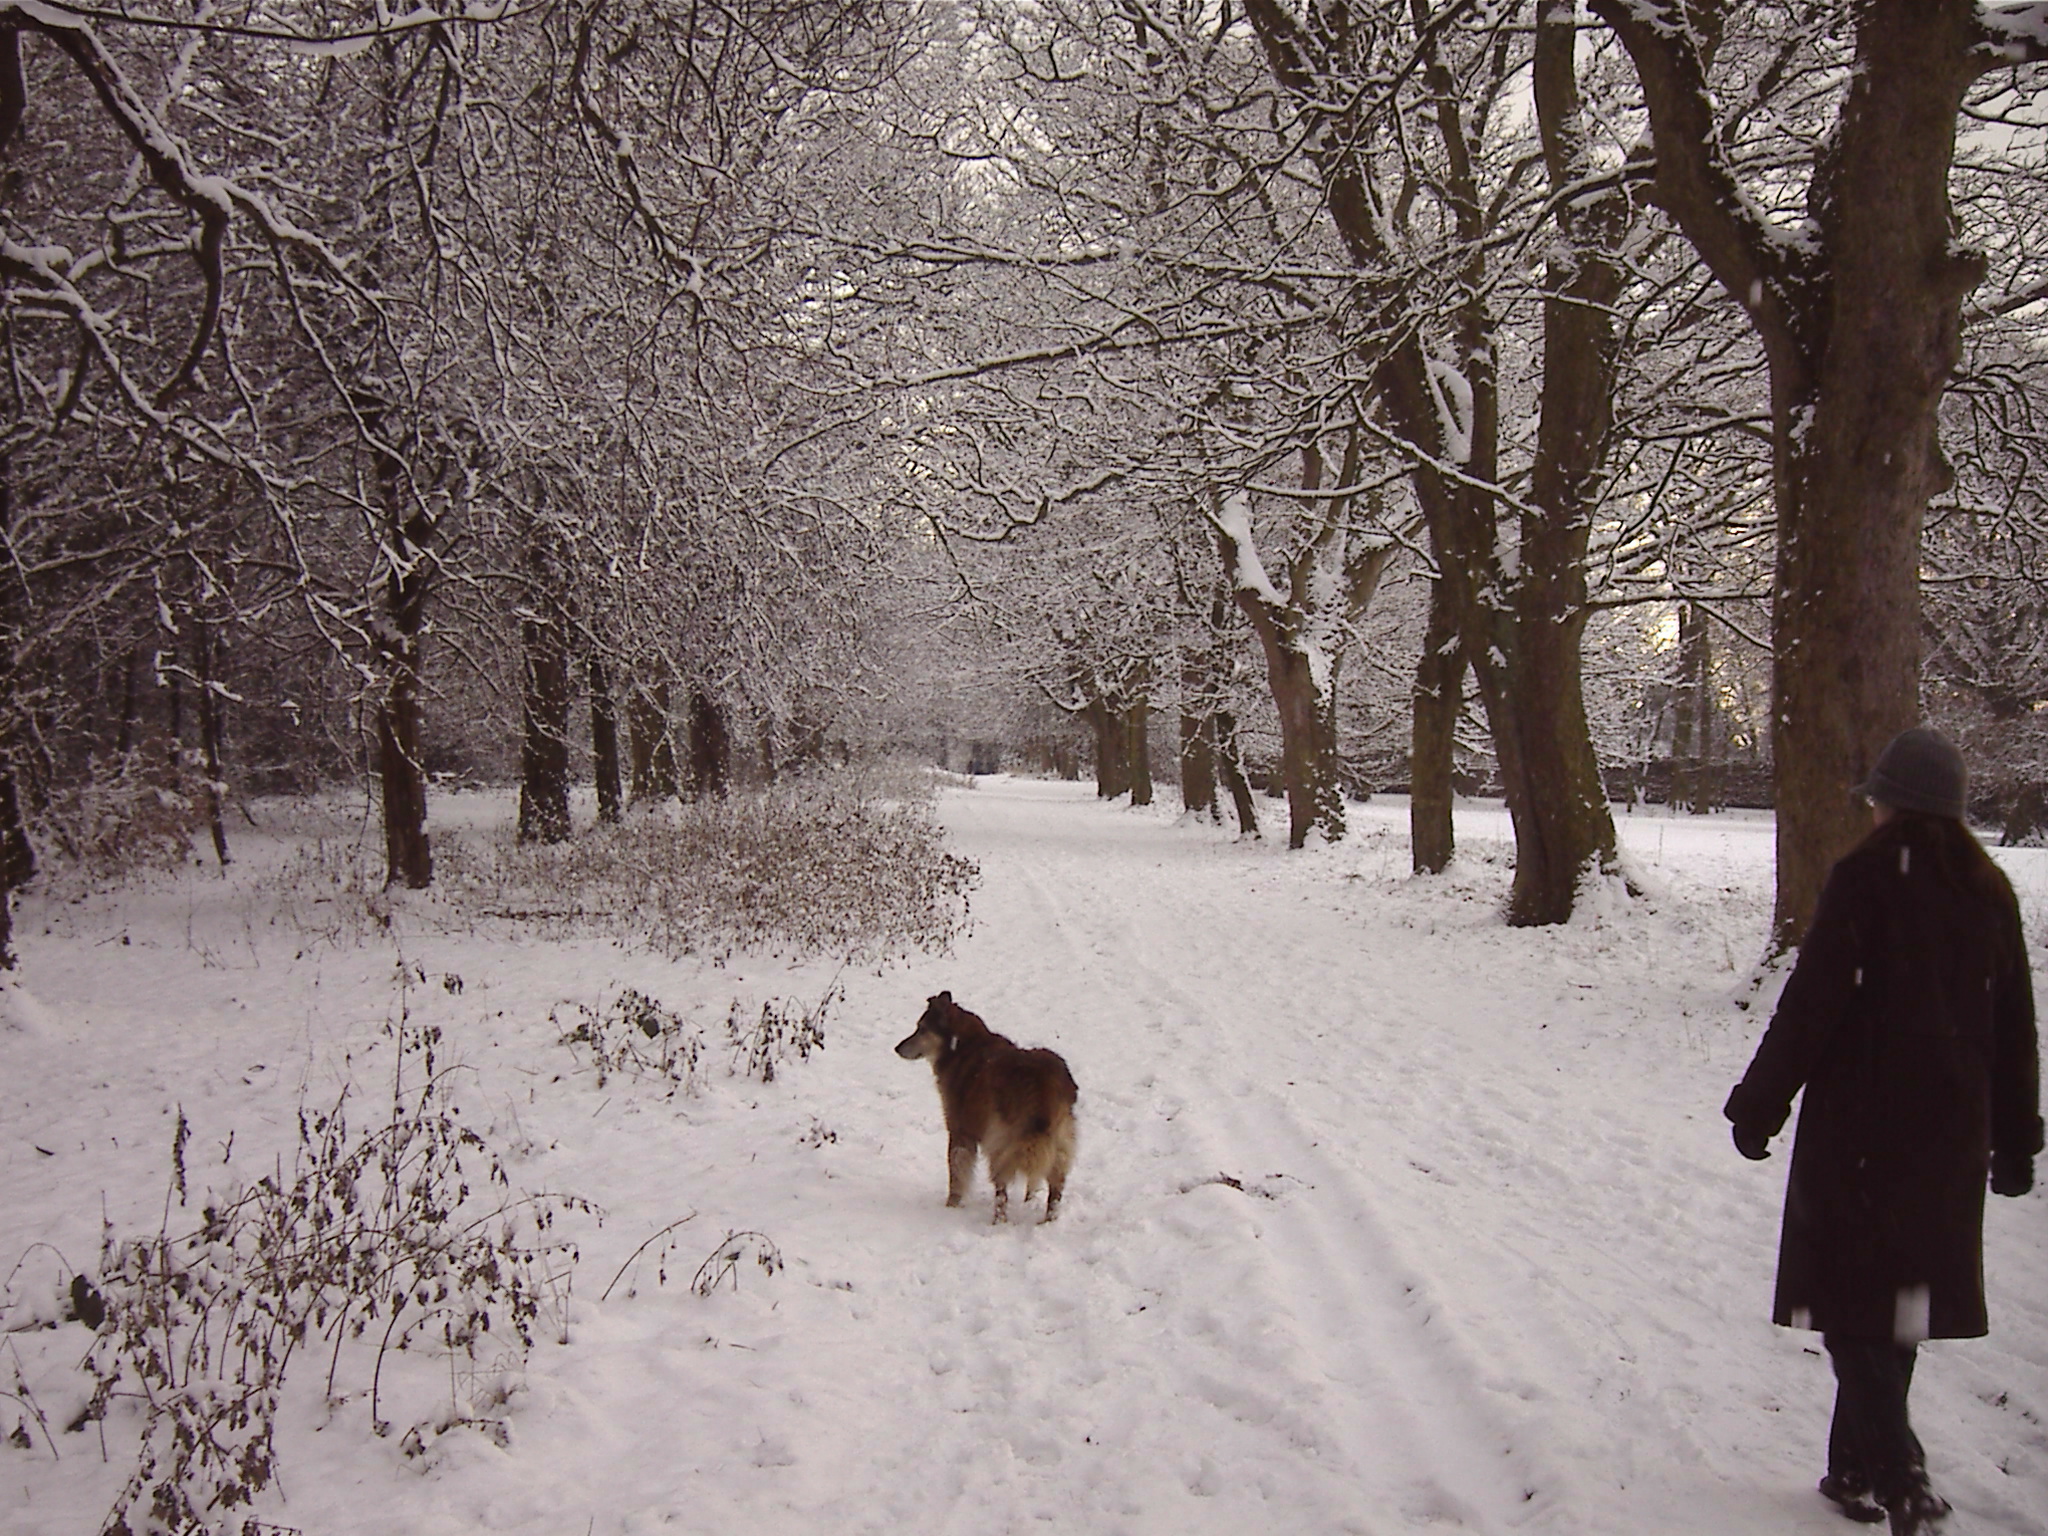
(1565, 799)
(1439, 387)
(1230, 764)
(1297, 674)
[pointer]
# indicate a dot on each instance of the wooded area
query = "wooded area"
(1561, 402)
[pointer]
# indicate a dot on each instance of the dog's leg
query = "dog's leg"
(1056, 1181)
(959, 1170)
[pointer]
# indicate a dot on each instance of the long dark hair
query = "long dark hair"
(1951, 851)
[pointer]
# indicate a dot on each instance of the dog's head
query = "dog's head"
(938, 1030)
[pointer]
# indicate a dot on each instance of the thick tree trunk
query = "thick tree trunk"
(1230, 765)
(408, 854)
(650, 744)
(1439, 700)
(1565, 797)
(1112, 748)
(1860, 452)
(544, 748)
(1138, 748)
(1860, 323)
(604, 743)
(1296, 675)
(1307, 754)
(710, 746)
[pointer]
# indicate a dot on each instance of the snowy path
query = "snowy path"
(1386, 1218)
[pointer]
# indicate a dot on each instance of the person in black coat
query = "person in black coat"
(1909, 1021)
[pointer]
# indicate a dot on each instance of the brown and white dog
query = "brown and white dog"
(1014, 1104)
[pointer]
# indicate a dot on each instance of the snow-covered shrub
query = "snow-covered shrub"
(784, 1029)
(400, 1234)
(129, 814)
(636, 1036)
(825, 867)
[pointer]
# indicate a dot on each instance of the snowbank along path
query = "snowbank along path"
(1386, 1218)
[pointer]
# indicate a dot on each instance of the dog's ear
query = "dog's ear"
(944, 997)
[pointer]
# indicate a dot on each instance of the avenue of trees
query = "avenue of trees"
(664, 393)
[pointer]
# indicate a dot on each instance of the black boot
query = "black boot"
(1917, 1511)
(1850, 1493)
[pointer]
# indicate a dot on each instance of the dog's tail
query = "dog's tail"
(1042, 1151)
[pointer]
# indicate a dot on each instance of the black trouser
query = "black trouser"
(1872, 1439)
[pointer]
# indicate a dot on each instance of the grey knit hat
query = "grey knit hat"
(1920, 770)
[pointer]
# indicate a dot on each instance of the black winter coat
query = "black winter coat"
(1909, 1020)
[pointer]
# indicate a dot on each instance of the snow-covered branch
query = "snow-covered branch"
(2011, 34)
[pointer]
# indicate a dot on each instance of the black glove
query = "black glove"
(2012, 1173)
(1751, 1142)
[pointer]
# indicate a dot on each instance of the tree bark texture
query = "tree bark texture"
(1439, 699)
(710, 745)
(1138, 747)
(604, 743)
(650, 744)
(1860, 323)
(544, 747)
(408, 854)
(17, 854)
(1230, 764)
(1566, 797)
(1112, 746)
(1309, 764)
(1197, 743)
(212, 733)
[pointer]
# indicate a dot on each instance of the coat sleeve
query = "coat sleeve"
(2016, 1060)
(1810, 1011)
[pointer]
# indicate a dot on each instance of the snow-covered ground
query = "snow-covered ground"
(1386, 1217)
